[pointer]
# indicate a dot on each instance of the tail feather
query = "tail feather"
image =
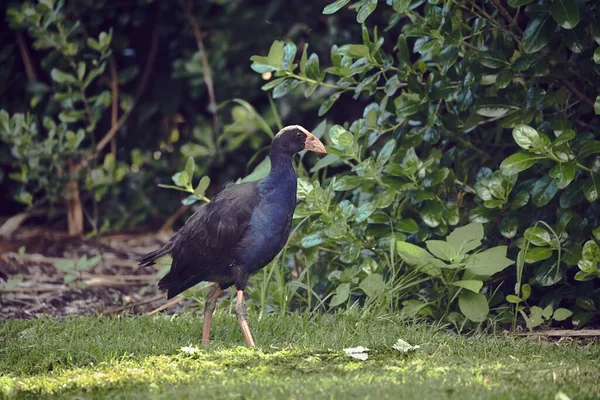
(148, 259)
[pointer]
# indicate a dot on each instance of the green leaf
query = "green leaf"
(538, 236)
(285, 87)
(538, 254)
(312, 68)
(364, 212)
(563, 174)
(401, 6)
(528, 138)
(493, 59)
(432, 214)
(543, 191)
(511, 298)
(189, 168)
(503, 79)
(493, 108)
(474, 306)
(314, 239)
(337, 230)
(340, 136)
(547, 312)
(472, 285)
(488, 262)
(386, 152)
(342, 292)
(275, 56)
(575, 39)
(335, 6)
(565, 13)
(586, 303)
(81, 70)
(259, 172)
(327, 104)
(466, 238)
(597, 105)
(385, 198)
(518, 162)
(325, 162)
(367, 8)
(289, 53)
(408, 104)
(591, 190)
(538, 33)
(408, 225)
(403, 53)
(572, 195)
(202, 186)
(182, 179)
(441, 249)
(373, 285)
(347, 182)
(61, 76)
(418, 257)
(597, 55)
(350, 252)
(561, 314)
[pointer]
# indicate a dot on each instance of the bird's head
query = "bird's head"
(294, 138)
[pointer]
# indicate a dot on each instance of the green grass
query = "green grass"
(297, 357)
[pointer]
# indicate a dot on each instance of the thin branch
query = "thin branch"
(206, 70)
(578, 93)
(138, 93)
(168, 225)
(114, 114)
(506, 14)
(29, 70)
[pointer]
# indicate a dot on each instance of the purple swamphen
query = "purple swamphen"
(239, 232)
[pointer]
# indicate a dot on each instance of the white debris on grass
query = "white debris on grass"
(404, 347)
(360, 352)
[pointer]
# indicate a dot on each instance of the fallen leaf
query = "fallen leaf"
(360, 352)
(404, 346)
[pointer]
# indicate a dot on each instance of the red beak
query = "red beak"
(314, 144)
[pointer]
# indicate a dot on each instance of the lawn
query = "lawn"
(296, 357)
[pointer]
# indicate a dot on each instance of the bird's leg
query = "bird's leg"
(209, 308)
(240, 311)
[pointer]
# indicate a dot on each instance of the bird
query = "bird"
(238, 232)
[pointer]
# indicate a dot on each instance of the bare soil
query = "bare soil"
(31, 285)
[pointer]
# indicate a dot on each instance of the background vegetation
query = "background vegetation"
(464, 151)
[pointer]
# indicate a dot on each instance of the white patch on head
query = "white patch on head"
(291, 128)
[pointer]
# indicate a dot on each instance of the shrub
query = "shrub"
(445, 86)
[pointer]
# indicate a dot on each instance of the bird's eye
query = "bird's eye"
(298, 134)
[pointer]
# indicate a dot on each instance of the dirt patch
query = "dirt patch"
(49, 274)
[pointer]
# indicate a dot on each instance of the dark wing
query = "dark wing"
(204, 246)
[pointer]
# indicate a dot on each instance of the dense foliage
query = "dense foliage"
(463, 174)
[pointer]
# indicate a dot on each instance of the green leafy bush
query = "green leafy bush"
(444, 85)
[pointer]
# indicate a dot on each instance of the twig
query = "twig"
(29, 70)
(132, 305)
(578, 93)
(206, 71)
(138, 93)
(506, 14)
(114, 115)
(174, 301)
(168, 225)
(168, 304)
